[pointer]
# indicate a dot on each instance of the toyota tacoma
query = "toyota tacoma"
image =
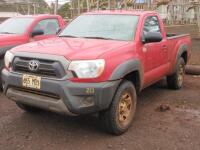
(98, 64)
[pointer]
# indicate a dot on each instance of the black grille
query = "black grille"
(47, 68)
(46, 94)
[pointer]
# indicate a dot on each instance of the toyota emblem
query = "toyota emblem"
(34, 65)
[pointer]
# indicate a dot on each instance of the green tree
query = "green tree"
(41, 7)
(64, 10)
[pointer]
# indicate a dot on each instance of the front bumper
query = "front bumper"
(62, 96)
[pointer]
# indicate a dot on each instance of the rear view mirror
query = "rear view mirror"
(37, 32)
(151, 37)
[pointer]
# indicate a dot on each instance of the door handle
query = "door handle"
(164, 48)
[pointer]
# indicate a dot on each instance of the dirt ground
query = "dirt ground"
(195, 58)
(175, 129)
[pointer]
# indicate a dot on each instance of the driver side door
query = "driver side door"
(152, 51)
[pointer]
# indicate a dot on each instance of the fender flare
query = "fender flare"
(4, 49)
(183, 48)
(127, 67)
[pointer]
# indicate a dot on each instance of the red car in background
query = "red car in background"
(24, 29)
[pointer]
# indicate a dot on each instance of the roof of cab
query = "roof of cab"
(120, 12)
(37, 16)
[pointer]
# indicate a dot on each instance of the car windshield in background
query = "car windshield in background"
(15, 25)
(114, 27)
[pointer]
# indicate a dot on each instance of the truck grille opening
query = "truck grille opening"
(45, 68)
(46, 94)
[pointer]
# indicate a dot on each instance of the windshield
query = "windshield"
(15, 25)
(114, 27)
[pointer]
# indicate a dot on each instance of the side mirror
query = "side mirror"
(58, 31)
(152, 37)
(37, 32)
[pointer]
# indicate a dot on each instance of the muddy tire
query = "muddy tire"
(175, 81)
(27, 108)
(1, 68)
(118, 118)
(1, 86)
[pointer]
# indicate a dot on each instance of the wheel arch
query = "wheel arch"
(130, 70)
(183, 52)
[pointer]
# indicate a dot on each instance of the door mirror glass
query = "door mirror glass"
(37, 32)
(58, 31)
(152, 37)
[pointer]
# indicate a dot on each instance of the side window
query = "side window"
(49, 26)
(151, 25)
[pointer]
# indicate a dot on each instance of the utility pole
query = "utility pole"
(79, 9)
(125, 4)
(56, 7)
(34, 8)
(109, 4)
(97, 4)
(149, 3)
(88, 5)
(28, 7)
(198, 17)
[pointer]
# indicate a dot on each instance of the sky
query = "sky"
(60, 1)
(64, 1)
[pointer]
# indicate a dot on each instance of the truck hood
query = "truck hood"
(71, 48)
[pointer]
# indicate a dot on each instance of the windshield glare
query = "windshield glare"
(115, 27)
(15, 25)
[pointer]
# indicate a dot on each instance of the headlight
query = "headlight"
(87, 68)
(8, 59)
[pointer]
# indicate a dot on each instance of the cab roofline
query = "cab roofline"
(36, 16)
(120, 12)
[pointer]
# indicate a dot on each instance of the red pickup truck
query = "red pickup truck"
(24, 29)
(98, 64)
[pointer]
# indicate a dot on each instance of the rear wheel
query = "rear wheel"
(118, 118)
(1, 68)
(175, 81)
(27, 108)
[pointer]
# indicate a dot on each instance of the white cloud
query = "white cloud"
(60, 1)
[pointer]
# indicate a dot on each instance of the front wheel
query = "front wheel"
(118, 118)
(175, 81)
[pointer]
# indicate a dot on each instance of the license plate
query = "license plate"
(31, 81)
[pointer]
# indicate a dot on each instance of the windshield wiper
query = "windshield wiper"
(97, 37)
(6, 33)
(71, 36)
(89, 37)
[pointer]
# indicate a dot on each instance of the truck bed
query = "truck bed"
(174, 35)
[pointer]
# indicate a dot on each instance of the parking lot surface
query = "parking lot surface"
(177, 128)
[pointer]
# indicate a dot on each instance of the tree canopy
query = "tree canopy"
(64, 10)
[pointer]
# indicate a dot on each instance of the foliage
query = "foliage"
(64, 10)
(22, 7)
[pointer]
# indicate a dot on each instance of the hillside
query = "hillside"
(21, 6)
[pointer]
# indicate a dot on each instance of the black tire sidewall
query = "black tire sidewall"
(111, 116)
(180, 62)
(172, 80)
